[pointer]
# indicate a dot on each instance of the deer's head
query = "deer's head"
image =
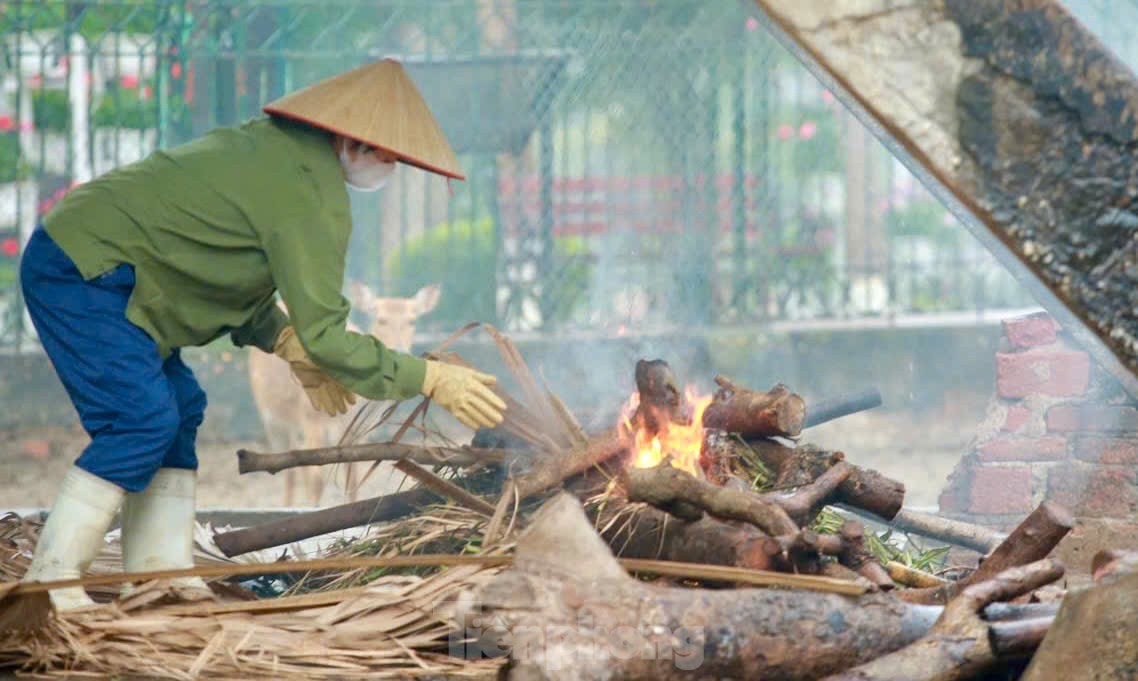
(393, 319)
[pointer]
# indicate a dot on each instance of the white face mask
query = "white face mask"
(365, 172)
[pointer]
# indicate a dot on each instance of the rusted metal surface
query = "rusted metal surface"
(1020, 120)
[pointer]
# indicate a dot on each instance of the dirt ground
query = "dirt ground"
(919, 451)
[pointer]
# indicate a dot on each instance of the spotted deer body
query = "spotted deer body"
(286, 415)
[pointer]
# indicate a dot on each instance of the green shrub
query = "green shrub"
(126, 108)
(462, 257)
(51, 110)
(12, 166)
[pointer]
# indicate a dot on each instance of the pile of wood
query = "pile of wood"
(560, 519)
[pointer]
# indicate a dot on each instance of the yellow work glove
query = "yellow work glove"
(324, 392)
(465, 393)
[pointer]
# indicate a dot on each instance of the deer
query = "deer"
(289, 420)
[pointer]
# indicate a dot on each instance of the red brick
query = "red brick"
(1016, 419)
(1031, 331)
(1065, 418)
(949, 502)
(1024, 449)
(1000, 489)
(1095, 491)
(1107, 450)
(1058, 373)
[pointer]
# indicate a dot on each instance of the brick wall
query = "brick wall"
(1058, 427)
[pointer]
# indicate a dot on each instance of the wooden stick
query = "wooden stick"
(968, 535)
(1031, 541)
(656, 567)
(252, 462)
(912, 577)
(802, 504)
(1019, 638)
(316, 523)
(551, 471)
(445, 488)
(857, 557)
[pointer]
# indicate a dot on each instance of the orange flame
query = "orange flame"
(682, 442)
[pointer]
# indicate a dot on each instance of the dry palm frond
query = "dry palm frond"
(441, 529)
(397, 627)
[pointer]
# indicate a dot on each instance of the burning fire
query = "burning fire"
(681, 441)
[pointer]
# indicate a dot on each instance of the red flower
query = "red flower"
(807, 130)
(10, 247)
(7, 122)
(785, 132)
(176, 70)
(129, 82)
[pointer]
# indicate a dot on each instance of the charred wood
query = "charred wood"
(316, 523)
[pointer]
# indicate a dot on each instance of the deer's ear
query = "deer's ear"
(361, 295)
(426, 299)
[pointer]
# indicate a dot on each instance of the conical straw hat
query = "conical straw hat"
(377, 104)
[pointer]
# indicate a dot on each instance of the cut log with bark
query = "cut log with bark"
(638, 531)
(315, 523)
(752, 413)
(864, 489)
(1032, 540)
(960, 644)
(461, 457)
(685, 497)
(1023, 124)
(568, 611)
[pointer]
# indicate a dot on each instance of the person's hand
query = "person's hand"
(324, 392)
(465, 393)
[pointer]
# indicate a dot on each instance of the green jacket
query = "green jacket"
(215, 227)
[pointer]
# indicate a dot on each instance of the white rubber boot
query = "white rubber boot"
(158, 529)
(71, 538)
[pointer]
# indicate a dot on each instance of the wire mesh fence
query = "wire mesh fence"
(630, 164)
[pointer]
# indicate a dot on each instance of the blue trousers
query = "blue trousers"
(142, 412)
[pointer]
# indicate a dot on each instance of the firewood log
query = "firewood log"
(960, 644)
(752, 413)
(568, 611)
